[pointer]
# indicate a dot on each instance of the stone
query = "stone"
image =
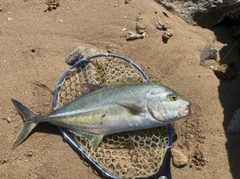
(166, 36)
(140, 26)
(81, 52)
(179, 160)
(208, 53)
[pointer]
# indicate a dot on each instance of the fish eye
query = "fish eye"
(172, 97)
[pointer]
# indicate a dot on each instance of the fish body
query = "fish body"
(111, 110)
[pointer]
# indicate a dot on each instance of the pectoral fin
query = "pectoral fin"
(93, 139)
(132, 108)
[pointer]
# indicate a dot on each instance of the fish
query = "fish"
(108, 110)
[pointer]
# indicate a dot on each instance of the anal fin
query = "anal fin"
(93, 139)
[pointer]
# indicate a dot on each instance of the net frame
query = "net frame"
(164, 171)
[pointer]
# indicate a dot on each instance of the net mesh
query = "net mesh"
(133, 154)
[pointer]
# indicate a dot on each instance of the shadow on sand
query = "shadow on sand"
(229, 94)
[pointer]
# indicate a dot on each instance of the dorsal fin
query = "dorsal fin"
(91, 87)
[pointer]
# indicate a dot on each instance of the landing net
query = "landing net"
(134, 154)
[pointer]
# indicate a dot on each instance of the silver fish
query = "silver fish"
(111, 110)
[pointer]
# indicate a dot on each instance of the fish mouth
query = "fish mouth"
(188, 111)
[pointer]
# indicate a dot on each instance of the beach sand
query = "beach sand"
(33, 47)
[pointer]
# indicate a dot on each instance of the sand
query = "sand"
(33, 46)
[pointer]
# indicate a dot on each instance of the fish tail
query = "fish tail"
(30, 120)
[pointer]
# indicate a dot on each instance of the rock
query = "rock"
(166, 36)
(127, 1)
(52, 4)
(9, 19)
(133, 36)
(80, 53)
(178, 159)
(160, 24)
(74, 56)
(9, 120)
(227, 14)
(140, 26)
(195, 12)
(159, 27)
(208, 53)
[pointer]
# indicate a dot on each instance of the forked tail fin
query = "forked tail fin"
(30, 122)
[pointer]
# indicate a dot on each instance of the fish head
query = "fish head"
(166, 105)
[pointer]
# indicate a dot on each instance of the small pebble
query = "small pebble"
(29, 153)
(208, 53)
(9, 120)
(161, 27)
(214, 39)
(211, 67)
(80, 53)
(164, 27)
(111, 48)
(166, 36)
(140, 26)
(165, 14)
(127, 1)
(178, 159)
(74, 56)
